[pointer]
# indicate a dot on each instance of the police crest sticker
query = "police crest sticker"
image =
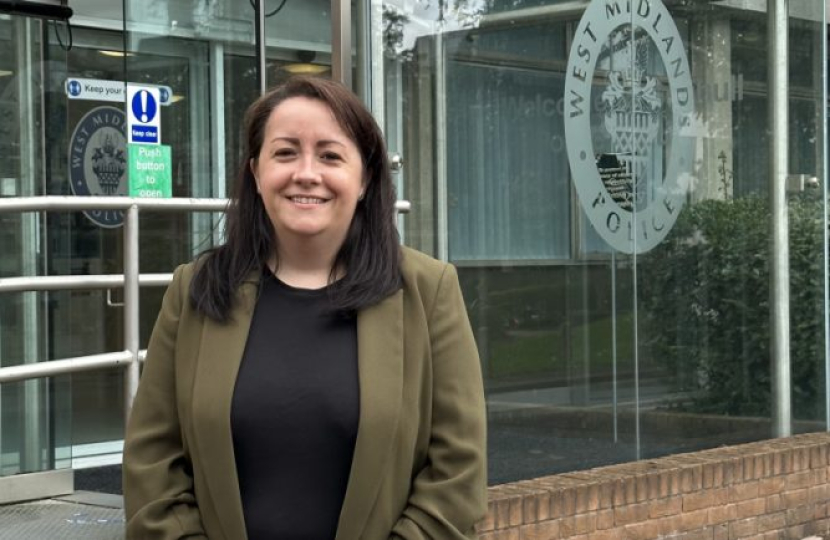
(628, 117)
(98, 161)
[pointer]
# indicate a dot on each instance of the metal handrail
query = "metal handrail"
(64, 366)
(130, 280)
(50, 203)
(129, 358)
(63, 283)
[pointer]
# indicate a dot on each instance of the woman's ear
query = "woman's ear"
(252, 166)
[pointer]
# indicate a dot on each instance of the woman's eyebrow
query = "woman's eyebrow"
(296, 141)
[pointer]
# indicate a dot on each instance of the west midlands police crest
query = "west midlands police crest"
(98, 160)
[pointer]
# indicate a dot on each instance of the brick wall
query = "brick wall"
(767, 490)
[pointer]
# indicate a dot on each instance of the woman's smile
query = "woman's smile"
(302, 200)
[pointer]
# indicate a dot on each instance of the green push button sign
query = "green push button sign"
(150, 171)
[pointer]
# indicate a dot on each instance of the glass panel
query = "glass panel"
(474, 104)
(298, 39)
(34, 419)
(704, 293)
(629, 318)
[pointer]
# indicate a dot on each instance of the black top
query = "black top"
(295, 413)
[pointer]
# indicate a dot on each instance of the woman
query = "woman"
(310, 378)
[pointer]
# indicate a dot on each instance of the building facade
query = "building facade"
(633, 191)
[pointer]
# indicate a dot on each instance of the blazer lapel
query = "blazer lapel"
(380, 366)
(220, 356)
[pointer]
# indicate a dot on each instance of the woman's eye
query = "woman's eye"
(284, 152)
(331, 156)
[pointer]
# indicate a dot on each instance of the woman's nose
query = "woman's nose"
(307, 169)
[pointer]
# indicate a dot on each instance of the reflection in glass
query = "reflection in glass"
(592, 356)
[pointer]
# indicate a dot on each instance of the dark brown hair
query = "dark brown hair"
(370, 253)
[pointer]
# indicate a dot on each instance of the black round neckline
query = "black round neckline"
(270, 276)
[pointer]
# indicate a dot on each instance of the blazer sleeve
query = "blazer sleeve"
(159, 500)
(449, 495)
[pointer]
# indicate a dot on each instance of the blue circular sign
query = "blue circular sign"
(144, 107)
(164, 95)
(73, 87)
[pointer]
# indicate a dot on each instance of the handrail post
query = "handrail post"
(131, 308)
(779, 244)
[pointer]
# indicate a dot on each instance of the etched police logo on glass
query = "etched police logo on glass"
(629, 107)
(98, 161)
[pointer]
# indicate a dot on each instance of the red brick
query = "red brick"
(507, 534)
(544, 530)
(722, 514)
(705, 499)
(691, 479)
(795, 532)
(749, 468)
(720, 532)
(750, 508)
(530, 509)
(774, 503)
(593, 497)
(648, 530)
(515, 512)
(769, 486)
(543, 506)
(576, 525)
(555, 510)
(693, 520)
(744, 491)
(818, 457)
(772, 522)
(665, 507)
(702, 534)
(798, 497)
(501, 513)
(799, 480)
(606, 495)
(488, 522)
(665, 483)
(609, 534)
(605, 519)
(568, 501)
(630, 513)
(674, 482)
(624, 491)
(743, 528)
(799, 515)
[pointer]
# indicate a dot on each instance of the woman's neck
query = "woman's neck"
(304, 267)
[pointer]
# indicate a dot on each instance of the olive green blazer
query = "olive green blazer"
(419, 465)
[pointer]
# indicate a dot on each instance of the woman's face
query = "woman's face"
(309, 174)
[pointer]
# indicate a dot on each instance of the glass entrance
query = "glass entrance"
(599, 174)
(35, 417)
(62, 85)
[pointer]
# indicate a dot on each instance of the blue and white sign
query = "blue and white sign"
(105, 90)
(143, 114)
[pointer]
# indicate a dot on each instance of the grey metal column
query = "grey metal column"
(259, 44)
(28, 62)
(779, 246)
(825, 177)
(341, 41)
(217, 128)
(442, 229)
(131, 308)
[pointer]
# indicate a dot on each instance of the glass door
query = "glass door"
(35, 417)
